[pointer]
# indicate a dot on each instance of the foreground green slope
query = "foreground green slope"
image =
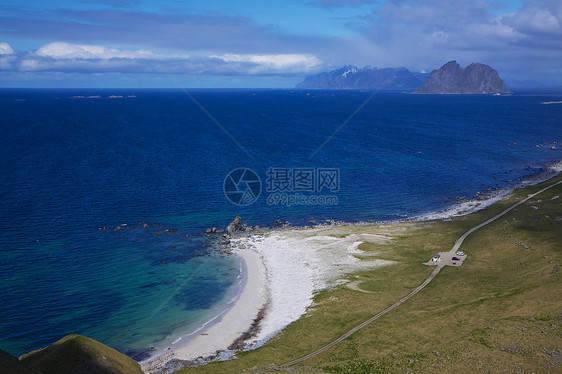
(501, 311)
(77, 354)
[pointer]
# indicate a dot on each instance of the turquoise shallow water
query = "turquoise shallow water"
(136, 288)
(70, 166)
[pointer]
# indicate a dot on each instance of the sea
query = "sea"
(108, 198)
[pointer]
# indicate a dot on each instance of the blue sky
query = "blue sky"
(269, 43)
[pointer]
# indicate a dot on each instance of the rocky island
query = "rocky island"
(352, 77)
(476, 78)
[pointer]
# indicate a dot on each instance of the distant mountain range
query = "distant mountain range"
(352, 77)
(474, 79)
(449, 79)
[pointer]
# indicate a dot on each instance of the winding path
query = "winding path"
(433, 274)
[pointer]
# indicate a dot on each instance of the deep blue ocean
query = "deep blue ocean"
(73, 169)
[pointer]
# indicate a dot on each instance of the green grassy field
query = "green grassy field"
(501, 311)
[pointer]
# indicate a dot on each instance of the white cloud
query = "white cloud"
(281, 62)
(83, 58)
(61, 56)
(544, 18)
(30, 65)
(7, 56)
(5, 49)
(61, 50)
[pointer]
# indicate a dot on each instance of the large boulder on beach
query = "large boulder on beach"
(75, 354)
(235, 226)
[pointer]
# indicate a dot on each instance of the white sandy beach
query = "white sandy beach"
(283, 270)
(300, 263)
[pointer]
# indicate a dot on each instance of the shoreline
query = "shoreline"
(281, 271)
(214, 341)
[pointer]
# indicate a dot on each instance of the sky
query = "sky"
(269, 43)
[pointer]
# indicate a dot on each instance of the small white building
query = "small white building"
(436, 258)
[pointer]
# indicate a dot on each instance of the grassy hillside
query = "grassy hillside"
(502, 310)
(77, 354)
